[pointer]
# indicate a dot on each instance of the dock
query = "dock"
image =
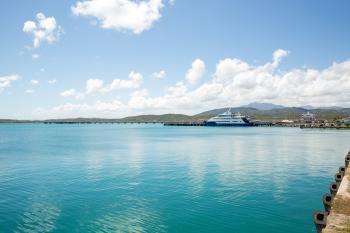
(185, 123)
(308, 126)
(203, 123)
(101, 122)
(336, 217)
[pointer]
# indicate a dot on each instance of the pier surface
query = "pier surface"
(339, 218)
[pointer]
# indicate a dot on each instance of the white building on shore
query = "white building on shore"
(307, 117)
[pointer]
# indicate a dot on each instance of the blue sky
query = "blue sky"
(99, 57)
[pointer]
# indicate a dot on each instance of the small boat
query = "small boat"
(229, 119)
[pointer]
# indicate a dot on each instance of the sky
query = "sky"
(115, 58)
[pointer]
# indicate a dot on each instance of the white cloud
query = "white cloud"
(30, 91)
(172, 2)
(159, 75)
(278, 55)
(228, 68)
(234, 83)
(135, 81)
(178, 90)
(29, 26)
(44, 29)
(72, 93)
(196, 72)
(52, 81)
(76, 110)
(34, 81)
(35, 56)
(96, 86)
(136, 16)
(5, 81)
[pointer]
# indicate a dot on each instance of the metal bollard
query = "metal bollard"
(338, 178)
(327, 201)
(347, 161)
(342, 170)
(320, 220)
(333, 188)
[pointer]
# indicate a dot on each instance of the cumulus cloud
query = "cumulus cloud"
(76, 110)
(44, 29)
(159, 75)
(6, 81)
(35, 56)
(29, 91)
(52, 81)
(97, 86)
(135, 16)
(278, 55)
(34, 81)
(196, 72)
(236, 82)
(94, 86)
(135, 81)
(72, 93)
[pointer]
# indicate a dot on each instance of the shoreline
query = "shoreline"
(180, 123)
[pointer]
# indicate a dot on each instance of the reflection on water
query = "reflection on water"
(137, 218)
(39, 217)
(150, 178)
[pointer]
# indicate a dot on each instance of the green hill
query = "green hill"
(276, 114)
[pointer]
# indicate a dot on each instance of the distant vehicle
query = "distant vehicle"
(229, 119)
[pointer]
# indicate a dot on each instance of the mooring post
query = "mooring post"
(320, 220)
(327, 201)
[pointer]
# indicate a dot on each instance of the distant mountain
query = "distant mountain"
(263, 106)
(270, 106)
(11, 121)
(281, 113)
(214, 112)
(260, 111)
(330, 107)
(285, 111)
(157, 118)
(140, 118)
(309, 107)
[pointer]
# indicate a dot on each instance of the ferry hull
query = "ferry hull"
(230, 125)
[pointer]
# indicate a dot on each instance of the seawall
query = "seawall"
(336, 217)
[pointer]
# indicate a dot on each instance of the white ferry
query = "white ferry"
(229, 119)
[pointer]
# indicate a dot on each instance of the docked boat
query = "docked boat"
(229, 119)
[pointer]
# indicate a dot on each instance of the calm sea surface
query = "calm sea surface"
(151, 178)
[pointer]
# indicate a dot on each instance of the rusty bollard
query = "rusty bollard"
(338, 177)
(347, 160)
(320, 220)
(342, 170)
(327, 201)
(333, 188)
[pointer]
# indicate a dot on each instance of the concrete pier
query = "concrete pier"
(185, 123)
(338, 219)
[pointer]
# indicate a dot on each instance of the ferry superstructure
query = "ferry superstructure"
(229, 119)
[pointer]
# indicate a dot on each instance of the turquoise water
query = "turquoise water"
(151, 178)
